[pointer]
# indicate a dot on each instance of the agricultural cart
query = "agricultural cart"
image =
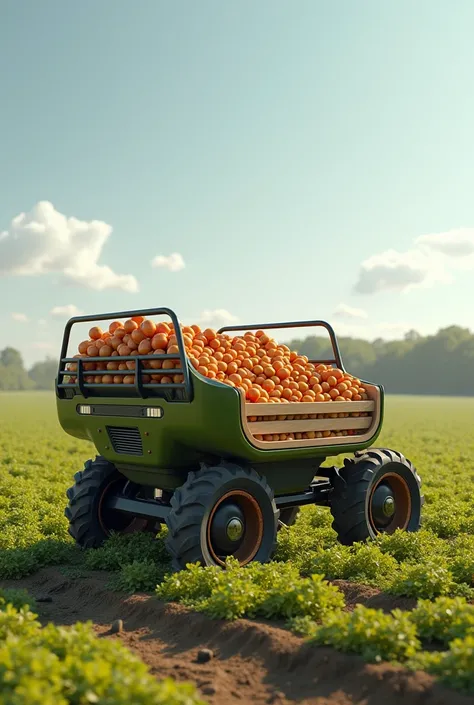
(191, 455)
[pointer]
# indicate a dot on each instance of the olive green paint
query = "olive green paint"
(190, 432)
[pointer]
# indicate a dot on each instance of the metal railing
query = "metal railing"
(139, 387)
(337, 360)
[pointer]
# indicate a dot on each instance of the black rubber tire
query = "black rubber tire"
(352, 487)
(288, 516)
(193, 502)
(83, 510)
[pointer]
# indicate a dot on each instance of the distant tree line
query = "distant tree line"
(15, 377)
(435, 364)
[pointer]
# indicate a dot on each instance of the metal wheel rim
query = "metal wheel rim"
(253, 527)
(400, 492)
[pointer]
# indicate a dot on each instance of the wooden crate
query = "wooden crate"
(312, 417)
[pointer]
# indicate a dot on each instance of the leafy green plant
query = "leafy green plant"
(62, 666)
(461, 559)
(271, 590)
(443, 619)
(330, 562)
(454, 667)
(424, 580)
(303, 626)
(368, 564)
(139, 576)
(190, 586)
(120, 550)
(411, 547)
(17, 562)
(374, 635)
(312, 597)
(16, 598)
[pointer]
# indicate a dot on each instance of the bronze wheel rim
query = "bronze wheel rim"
(390, 504)
(235, 528)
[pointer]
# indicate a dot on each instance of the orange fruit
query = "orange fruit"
(123, 350)
(130, 326)
(105, 351)
(159, 341)
(210, 334)
(148, 328)
(268, 385)
(137, 336)
(93, 351)
(145, 347)
(95, 333)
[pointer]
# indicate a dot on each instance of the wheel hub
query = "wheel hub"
(235, 529)
(227, 528)
(383, 505)
(389, 507)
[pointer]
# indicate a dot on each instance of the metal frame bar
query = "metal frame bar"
(296, 324)
(146, 508)
(319, 494)
(139, 386)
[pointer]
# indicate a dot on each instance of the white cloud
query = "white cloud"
(174, 262)
(400, 271)
(345, 311)
(67, 311)
(431, 260)
(46, 241)
(42, 322)
(20, 317)
(453, 243)
(217, 318)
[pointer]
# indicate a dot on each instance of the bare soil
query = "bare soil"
(254, 662)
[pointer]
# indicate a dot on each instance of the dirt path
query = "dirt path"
(254, 663)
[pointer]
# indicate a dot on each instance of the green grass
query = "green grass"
(38, 460)
(55, 665)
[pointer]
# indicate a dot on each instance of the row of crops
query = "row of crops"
(434, 567)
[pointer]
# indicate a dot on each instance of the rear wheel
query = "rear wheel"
(90, 522)
(377, 491)
(220, 511)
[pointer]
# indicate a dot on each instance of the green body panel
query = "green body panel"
(189, 432)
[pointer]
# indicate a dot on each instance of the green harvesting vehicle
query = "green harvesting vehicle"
(224, 475)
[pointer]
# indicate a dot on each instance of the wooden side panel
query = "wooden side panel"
(361, 417)
(299, 426)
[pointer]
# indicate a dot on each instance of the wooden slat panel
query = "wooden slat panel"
(270, 427)
(310, 442)
(314, 407)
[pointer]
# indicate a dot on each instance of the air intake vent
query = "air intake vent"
(126, 441)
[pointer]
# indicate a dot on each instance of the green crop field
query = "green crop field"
(435, 566)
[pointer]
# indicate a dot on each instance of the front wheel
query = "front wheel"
(221, 511)
(377, 491)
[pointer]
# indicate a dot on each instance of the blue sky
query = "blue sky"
(283, 149)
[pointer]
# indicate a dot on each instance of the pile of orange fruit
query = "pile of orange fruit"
(266, 371)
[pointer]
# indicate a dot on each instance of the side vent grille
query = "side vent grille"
(126, 441)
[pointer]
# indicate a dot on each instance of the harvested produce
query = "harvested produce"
(267, 372)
